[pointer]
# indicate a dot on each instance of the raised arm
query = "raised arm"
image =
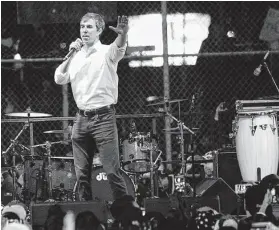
(122, 30)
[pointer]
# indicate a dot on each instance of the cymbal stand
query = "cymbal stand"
(14, 178)
(152, 166)
(49, 170)
(181, 127)
(14, 141)
(12, 145)
(30, 130)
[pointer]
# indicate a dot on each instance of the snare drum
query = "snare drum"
(136, 154)
(256, 140)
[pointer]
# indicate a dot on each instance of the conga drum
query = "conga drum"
(256, 137)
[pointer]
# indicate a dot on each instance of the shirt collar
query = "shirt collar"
(94, 48)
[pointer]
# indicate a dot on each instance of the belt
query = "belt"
(93, 112)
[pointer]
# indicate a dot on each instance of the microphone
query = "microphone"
(72, 50)
(258, 70)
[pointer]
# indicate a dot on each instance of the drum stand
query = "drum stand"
(183, 163)
(152, 166)
(12, 145)
(47, 170)
(14, 142)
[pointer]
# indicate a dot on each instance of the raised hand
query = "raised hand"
(122, 25)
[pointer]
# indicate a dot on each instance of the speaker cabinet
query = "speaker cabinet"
(226, 167)
(39, 211)
(165, 205)
(211, 187)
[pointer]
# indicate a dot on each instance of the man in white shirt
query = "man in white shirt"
(91, 70)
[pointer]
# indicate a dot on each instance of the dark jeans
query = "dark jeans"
(93, 133)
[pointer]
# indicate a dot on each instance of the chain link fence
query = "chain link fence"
(223, 71)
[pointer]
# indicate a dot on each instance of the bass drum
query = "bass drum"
(100, 186)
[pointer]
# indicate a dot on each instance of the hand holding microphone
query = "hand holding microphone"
(74, 47)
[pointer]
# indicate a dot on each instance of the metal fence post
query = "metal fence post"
(166, 78)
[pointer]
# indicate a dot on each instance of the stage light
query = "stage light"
(231, 34)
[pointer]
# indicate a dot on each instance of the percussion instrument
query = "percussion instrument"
(137, 151)
(28, 114)
(100, 186)
(256, 137)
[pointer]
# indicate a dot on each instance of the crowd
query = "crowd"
(259, 200)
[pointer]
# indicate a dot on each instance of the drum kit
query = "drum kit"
(36, 181)
(50, 178)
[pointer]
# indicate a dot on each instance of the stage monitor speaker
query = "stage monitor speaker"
(165, 205)
(39, 211)
(226, 167)
(218, 187)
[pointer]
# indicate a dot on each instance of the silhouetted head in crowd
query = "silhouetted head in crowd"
(87, 221)
(253, 199)
(125, 209)
(15, 211)
(203, 220)
(269, 182)
(226, 222)
(14, 216)
(55, 217)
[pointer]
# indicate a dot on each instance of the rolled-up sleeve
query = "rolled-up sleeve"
(116, 53)
(61, 78)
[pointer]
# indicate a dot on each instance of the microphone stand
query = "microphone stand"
(269, 72)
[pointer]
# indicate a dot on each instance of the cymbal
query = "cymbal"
(178, 133)
(57, 132)
(178, 129)
(48, 144)
(169, 101)
(187, 162)
(66, 158)
(28, 114)
(271, 97)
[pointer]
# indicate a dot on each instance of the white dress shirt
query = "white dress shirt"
(93, 76)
